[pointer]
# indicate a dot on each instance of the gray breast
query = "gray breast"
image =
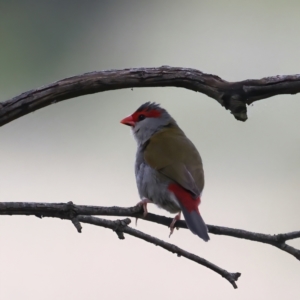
(153, 185)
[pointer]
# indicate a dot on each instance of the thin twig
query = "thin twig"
(234, 96)
(231, 277)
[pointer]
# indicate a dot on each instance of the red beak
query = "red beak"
(128, 121)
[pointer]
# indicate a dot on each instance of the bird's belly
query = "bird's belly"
(154, 186)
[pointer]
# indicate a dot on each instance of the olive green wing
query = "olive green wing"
(171, 153)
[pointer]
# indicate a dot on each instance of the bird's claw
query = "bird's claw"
(172, 225)
(143, 203)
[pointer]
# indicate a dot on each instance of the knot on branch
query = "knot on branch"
(236, 103)
(119, 226)
(281, 238)
(71, 213)
(232, 278)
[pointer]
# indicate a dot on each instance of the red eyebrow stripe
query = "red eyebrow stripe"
(154, 113)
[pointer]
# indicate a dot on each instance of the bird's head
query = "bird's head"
(147, 120)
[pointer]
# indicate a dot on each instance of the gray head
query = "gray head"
(146, 120)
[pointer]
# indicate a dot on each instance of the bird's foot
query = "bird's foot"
(172, 225)
(143, 203)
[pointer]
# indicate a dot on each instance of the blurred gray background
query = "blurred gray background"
(78, 151)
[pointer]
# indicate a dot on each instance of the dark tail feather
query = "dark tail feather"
(195, 223)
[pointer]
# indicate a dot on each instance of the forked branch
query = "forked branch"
(82, 213)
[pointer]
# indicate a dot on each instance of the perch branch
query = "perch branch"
(234, 96)
(71, 211)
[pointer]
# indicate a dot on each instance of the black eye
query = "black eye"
(142, 117)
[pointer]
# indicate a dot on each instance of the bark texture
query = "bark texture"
(234, 96)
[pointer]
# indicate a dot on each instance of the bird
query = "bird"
(168, 167)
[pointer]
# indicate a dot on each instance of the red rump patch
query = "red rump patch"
(184, 197)
(154, 113)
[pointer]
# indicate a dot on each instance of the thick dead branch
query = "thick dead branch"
(71, 211)
(234, 96)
